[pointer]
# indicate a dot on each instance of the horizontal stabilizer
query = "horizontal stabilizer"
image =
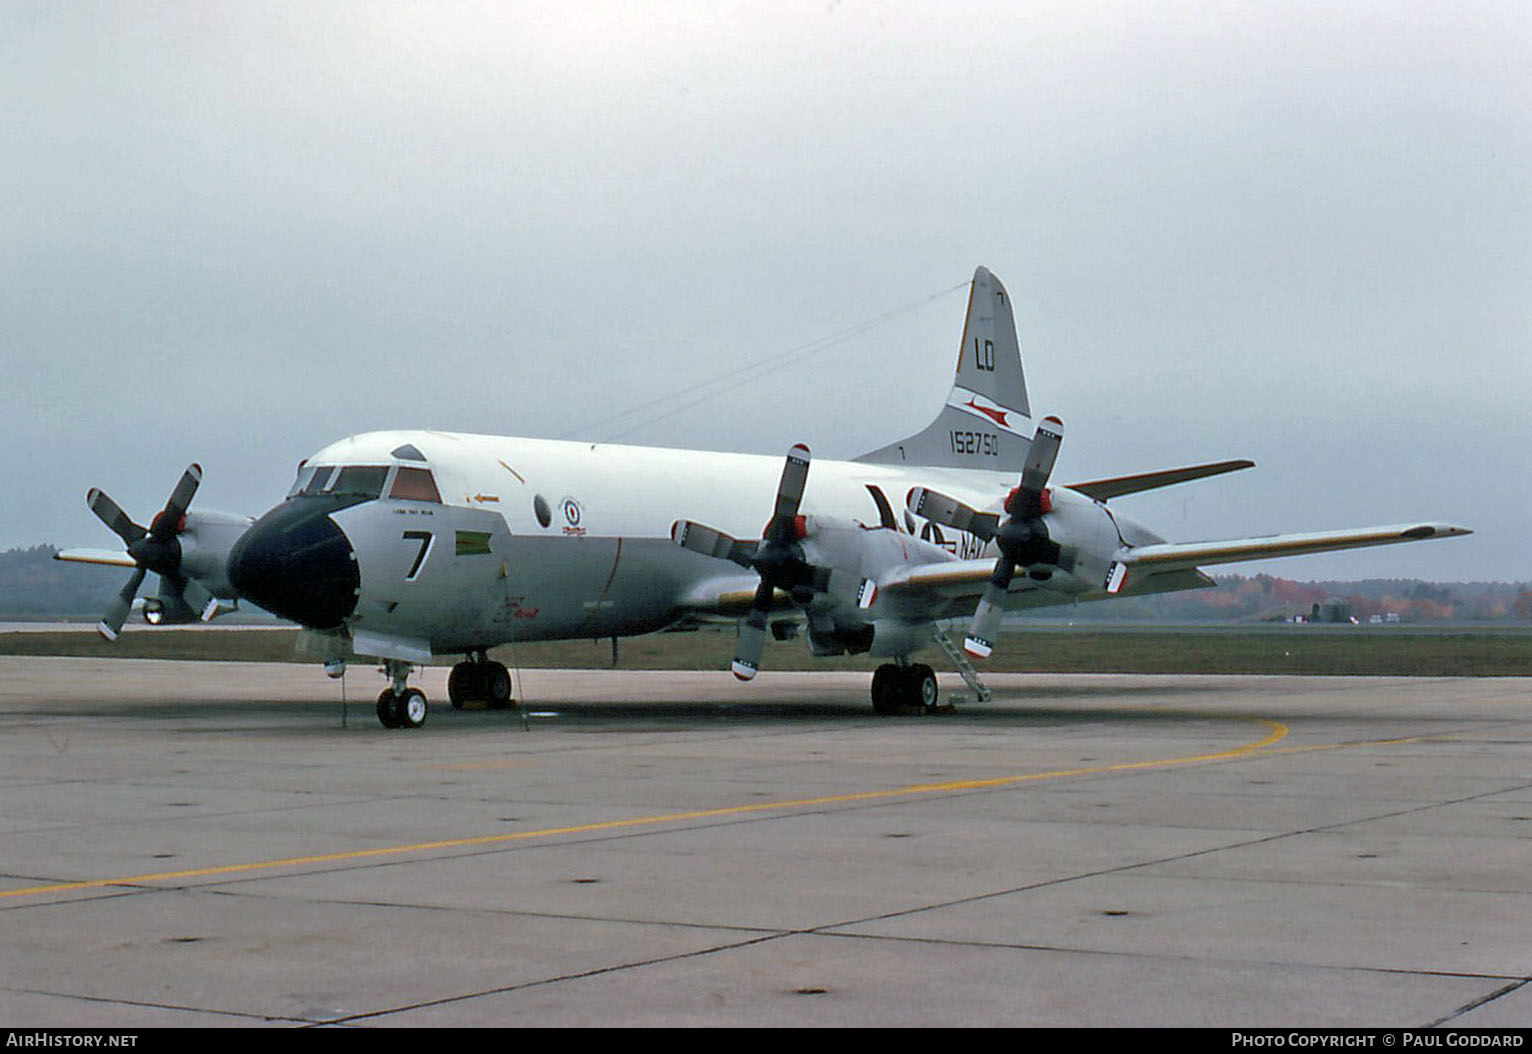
(1106, 489)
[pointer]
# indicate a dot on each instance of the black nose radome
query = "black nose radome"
(297, 563)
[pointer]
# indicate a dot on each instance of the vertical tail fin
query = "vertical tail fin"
(987, 421)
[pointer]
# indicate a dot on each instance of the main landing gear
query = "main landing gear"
(480, 679)
(901, 686)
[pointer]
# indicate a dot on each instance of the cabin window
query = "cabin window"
(415, 484)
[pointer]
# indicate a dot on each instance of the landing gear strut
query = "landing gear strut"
(899, 686)
(401, 706)
(478, 678)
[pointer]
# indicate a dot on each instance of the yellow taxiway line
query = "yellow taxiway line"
(1276, 732)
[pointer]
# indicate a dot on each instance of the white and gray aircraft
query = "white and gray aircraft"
(401, 546)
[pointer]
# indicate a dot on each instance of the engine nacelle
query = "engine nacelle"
(884, 638)
(206, 542)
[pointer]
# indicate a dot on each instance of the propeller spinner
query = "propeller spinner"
(156, 548)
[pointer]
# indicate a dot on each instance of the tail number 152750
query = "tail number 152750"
(979, 444)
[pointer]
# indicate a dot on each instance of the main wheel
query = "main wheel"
(886, 689)
(388, 709)
(497, 686)
(920, 686)
(463, 684)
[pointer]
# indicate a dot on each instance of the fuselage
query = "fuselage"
(450, 542)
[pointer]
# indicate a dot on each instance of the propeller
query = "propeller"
(156, 549)
(779, 561)
(1023, 537)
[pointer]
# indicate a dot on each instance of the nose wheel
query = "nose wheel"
(406, 710)
(401, 706)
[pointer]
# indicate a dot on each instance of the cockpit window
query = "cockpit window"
(318, 480)
(415, 484)
(305, 474)
(360, 481)
(366, 482)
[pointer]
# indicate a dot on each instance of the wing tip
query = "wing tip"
(1434, 530)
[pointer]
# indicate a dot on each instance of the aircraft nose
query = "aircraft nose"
(297, 563)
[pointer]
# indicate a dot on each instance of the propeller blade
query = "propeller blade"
(111, 623)
(185, 490)
(795, 475)
(199, 599)
(985, 627)
(111, 514)
(710, 541)
(949, 512)
(1041, 456)
(747, 654)
(186, 598)
(752, 636)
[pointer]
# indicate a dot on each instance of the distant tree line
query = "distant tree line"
(34, 584)
(1266, 598)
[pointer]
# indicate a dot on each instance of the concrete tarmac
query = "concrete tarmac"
(209, 844)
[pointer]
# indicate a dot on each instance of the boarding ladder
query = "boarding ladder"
(959, 659)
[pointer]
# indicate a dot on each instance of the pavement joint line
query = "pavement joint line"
(1276, 733)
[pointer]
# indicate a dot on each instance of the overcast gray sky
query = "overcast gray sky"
(1296, 232)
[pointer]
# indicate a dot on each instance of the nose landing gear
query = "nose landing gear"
(401, 706)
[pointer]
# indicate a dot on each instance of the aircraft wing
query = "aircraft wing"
(107, 557)
(948, 588)
(1182, 556)
(1159, 568)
